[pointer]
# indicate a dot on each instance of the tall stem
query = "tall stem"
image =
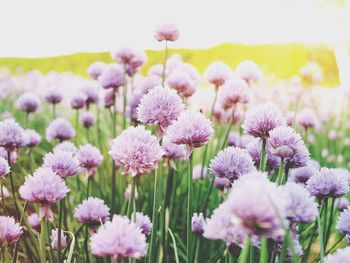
(154, 230)
(320, 232)
(54, 110)
(60, 229)
(12, 184)
(43, 236)
(86, 245)
(76, 124)
(114, 133)
(262, 165)
(243, 258)
(164, 62)
(132, 198)
(189, 208)
(280, 172)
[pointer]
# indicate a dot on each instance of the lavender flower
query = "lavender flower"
(197, 172)
(302, 174)
(28, 102)
(44, 187)
(137, 149)
(300, 158)
(167, 32)
(4, 168)
(260, 120)
(53, 95)
(4, 154)
(192, 128)
(149, 83)
(341, 255)
(185, 79)
(217, 73)
(127, 193)
(54, 239)
(10, 231)
(172, 150)
(123, 55)
(66, 147)
(342, 203)
(327, 183)
(63, 163)
(34, 221)
(138, 60)
(11, 135)
(78, 101)
(31, 138)
(87, 119)
(111, 77)
(89, 157)
(5, 193)
(233, 92)
(198, 223)
(160, 106)
(92, 211)
(249, 71)
(232, 163)
(301, 207)
(96, 69)
(92, 94)
(343, 224)
(119, 239)
(222, 183)
(143, 222)
(284, 141)
(233, 139)
(60, 129)
(307, 118)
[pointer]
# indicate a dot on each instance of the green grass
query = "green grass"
(281, 61)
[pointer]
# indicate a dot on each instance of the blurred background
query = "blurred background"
(281, 36)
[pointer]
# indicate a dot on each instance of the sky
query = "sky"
(41, 28)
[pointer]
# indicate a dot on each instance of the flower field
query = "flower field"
(145, 162)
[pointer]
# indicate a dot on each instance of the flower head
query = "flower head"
(127, 193)
(327, 183)
(34, 221)
(143, 222)
(91, 93)
(234, 91)
(172, 150)
(262, 119)
(233, 139)
(217, 73)
(123, 55)
(249, 71)
(185, 79)
(78, 101)
(111, 77)
(31, 138)
(192, 128)
(197, 172)
(198, 223)
(28, 102)
(11, 135)
(307, 118)
(302, 174)
(92, 211)
(341, 255)
(87, 119)
(4, 168)
(96, 69)
(63, 163)
(60, 129)
(119, 239)
(160, 106)
(65, 147)
(232, 163)
(10, 231)
(300, 157)
(137, 149)
(167, 32)
(343, 224)
(342, 203)
(54, 239)
(53, 95)
(89, 157)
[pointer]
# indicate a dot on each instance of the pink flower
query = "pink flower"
(167, 32)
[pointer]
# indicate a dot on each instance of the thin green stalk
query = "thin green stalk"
(243, 258)
(174, 246)
(262, 164)
(132, 197)
(197, 251)
(76, 124)
(189, 208)
(15, 252)
(114, 133)
(280, 172)
(320, 232)
(164, 62)
(330, 222)
(54, 110)
(43, 236)
(88, 187)
(12, 184)
(154, 212)
(264, 251)
(60, 229)
(86, 245)
(228, 130)
(324, 222)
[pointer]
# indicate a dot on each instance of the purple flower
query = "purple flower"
(233, 139)
(222, 183)
(44, 187)
(160, 106)
(78, 101)
(254, 150)
(66, 147)
(123, 55)
(341, 255)
(185, 79)
(307, 118)
(53, 95)
(284, 141)
(4, 168)
(31, 138)
(92, 211)
(119, 239)
(111, 77)
(28, 102)
(54, 239)
(127, 193)
(137, 149)
(109, 98)
(89, 157)
(234, 91)
(167, 32)
(327, 183)
(231, 163)
(301, 207)
(217, 73)
(149, 83)
(5, 192)
(300, 157)
(138, 60)
(4, 154)
(10, 231)
(87, 119)
(34, 221)
(91, 93)
(260, 120)
(172, 150)
(60, 129)
(343, 224)
(143, 222)
(197, 170)
(342, 203)
(96, 69)
(249, 71)
(11, 135)
(198, 223)
(192, 128)
(63, 163)
(302, 174)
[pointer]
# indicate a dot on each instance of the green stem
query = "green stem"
(54, 110)
(164, 62)
(114, 133)
(88, 187)
(60, 229)
(76, 124)
(132, 197)
(198, 246)
(243, 258)
(189, 208)
(320, 232)
(12, 184)
(43, 236)
(262, 164)
(264, 251)
(86, 245)
(280, 172)
(228, 129)
(152, 244)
